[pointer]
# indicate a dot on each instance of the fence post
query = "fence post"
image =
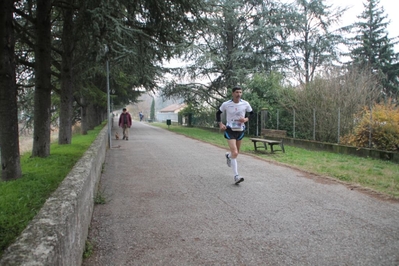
(370, 126)
(257, 124)
(293, 128)
(263, 118)
(278, 116)
(339, 124)
(314, 124)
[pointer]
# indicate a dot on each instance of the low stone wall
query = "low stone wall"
(57, 234)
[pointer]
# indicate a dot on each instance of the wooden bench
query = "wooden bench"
(271, 142)
(267, 141)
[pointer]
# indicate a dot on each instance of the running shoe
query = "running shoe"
(228, 159)
(238, 179)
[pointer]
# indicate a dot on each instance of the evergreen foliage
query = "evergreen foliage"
(372, 49)
(238, 38)
(263, 93)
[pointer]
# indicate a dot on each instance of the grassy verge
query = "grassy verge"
(20, 200)
(377, 175)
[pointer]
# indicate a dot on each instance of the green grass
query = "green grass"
(88, 251)
(100, 198)
(376, 175)
(21, 199)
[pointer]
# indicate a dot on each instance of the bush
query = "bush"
(384, 124)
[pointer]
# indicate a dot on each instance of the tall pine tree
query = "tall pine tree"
(372, 49)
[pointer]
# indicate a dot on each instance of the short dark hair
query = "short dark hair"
(124, 109)
(236, 88)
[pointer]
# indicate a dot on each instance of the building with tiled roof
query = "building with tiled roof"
(170, 112)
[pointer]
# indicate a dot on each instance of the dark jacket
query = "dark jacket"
(127, 119)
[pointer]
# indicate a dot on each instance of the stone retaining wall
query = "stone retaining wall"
(57, 234)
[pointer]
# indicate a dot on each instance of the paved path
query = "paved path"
(172, 201)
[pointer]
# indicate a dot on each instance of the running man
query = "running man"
(236, 116)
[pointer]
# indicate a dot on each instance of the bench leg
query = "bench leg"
(255, 145)
(282, 147)
(264, 145)
(271, 148)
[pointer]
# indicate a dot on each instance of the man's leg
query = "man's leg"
(234, 150)
(124, 131)
(127, 132)
(233, 155)
(238, 145)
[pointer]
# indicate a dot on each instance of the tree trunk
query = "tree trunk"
(66, 97)
(9, 142)
(92, 116)
(42, 98)
(83, 121)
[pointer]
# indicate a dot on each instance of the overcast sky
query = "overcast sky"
(391, 9)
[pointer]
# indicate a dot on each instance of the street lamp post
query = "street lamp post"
(108, 101)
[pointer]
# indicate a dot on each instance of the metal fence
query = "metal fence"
(310, 126)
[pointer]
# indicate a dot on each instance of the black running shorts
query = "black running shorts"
(230, 134)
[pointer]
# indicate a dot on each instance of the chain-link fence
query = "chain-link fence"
(309, 125)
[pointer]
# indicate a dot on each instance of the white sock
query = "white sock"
(234, 166)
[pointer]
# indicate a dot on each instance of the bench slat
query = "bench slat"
(274, 133)
(265, 140)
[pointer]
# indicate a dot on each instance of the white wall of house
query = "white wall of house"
(162, 117)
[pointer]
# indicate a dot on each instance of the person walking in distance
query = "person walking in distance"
(125, 122)
(236, 111)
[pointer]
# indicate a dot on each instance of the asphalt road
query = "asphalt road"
(171, 200)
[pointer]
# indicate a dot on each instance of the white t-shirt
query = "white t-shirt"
(235, 111)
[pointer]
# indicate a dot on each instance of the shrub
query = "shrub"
(384, 124)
